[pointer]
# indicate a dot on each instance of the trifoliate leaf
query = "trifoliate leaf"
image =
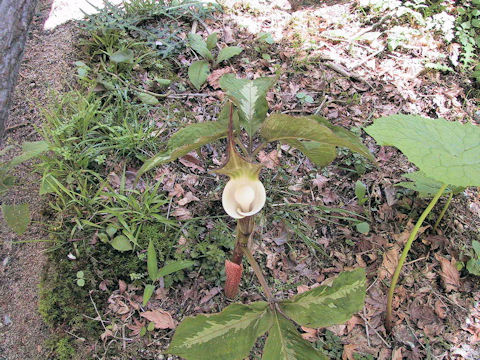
(448, 152)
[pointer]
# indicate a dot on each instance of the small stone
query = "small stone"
(6, 320)
(5, 261)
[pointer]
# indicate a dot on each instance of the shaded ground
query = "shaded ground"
(351, 83)
(46, 66)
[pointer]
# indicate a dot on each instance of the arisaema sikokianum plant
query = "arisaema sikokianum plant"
(231, 334)
(447, 155)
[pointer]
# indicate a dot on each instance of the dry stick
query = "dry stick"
(360, 63)
(406, 249)
(366, 326)
(376, 332)
(373, 27)
(444, 210)
(168, 94)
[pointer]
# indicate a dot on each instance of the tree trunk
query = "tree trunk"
(15, 18)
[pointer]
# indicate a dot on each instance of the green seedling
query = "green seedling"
(361, 192)
(199, 70)
(231, 334)
(80, 279)
(304, 98)
(446, 153)
(473, 265)
(154, 273)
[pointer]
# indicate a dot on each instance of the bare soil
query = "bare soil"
(46, 67)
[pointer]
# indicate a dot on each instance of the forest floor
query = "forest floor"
(349, 75)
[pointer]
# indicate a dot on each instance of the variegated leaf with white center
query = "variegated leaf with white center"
(285, 343)
(328, 305)
(250, 98)
(230, 334)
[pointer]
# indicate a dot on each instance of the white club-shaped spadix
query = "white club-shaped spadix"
(243, 196)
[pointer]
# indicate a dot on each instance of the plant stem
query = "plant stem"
(406, 249)
(258, 273)
(444, 210)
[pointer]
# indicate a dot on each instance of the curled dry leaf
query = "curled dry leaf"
(449, 273)
(188, 198)
(182, 213)
(309, 334)
(161, 319)
(349, 351)
(389, 263)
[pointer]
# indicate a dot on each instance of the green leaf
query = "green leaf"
(315, 128)
(212, 40)
(425, 186)
(476, 247)
(196, 43)
(103, 237)
(185, 140)
(174, 267)
(121, 243)
(230, 334)
(228, 52)
(122, 56)
(328, 305)
(363, 227)
(30, 150)
(318, 153)
(445, 151)
(147, 293)
(81, 282)
(147, 98)
(143, 331)
(80, 274)
(285, 343)
(250, 98)
(360, 192)
(17, 217)
(198, 73)
(111, 230)
(152, 265)
(151, 326)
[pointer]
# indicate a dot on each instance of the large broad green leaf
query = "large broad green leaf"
(121, 243)
(30, 150)
(425, 186)
(200, 46)
(147, 98)
(185, 140)
(250, 98)
(198, 73)
(17, 217)
(285, 343)
(318, 153)
(328, 305)
(228, 52)
(315, 128)
(448, 152)
(230, 334)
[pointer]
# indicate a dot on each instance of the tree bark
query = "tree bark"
(15, 19)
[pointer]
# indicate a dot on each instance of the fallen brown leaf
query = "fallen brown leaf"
(188, 198)
(349, 351)
(389, 263)
(449, 273)
(309, 334)
(161, 319)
